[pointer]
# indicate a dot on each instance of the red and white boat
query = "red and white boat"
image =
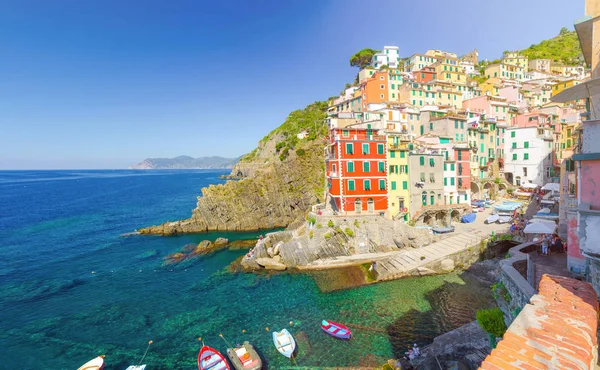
(210, 359)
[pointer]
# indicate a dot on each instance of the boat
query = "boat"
(136, 367)
(210, 358)
(467, 219)
(93, 364)
(546, 216)
(492, 219)
(336, 330)
(244, 357)
(506, 207)
(504, 219)
(284, 342)
(443, 230)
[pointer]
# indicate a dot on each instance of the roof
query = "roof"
(556, 330)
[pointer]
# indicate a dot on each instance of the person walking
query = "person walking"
(544, 245)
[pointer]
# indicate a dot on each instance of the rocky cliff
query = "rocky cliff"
(280, 180)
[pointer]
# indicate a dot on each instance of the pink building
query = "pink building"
(513, 96)
(494, 107)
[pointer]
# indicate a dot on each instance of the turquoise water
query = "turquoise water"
(72, 288)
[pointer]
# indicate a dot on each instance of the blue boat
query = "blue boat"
(504, 207)
(467, 219)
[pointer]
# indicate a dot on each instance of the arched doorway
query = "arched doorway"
(488, 190)
(455, 215)
(427, 219)
(474, 190)
(518, 181)
(432, 198)
(370, 205)
(441, 218)
(358, 206)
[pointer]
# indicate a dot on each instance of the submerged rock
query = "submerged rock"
(221, 242)
(204, 247)
(174, 258)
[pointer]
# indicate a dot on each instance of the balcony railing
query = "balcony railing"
(360, 137)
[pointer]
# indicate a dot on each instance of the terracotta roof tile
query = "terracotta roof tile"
(557, 329)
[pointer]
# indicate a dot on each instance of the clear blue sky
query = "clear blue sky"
(107, 83)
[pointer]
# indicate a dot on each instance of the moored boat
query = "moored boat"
(244, 357)
(284, 342)
(136, 367)
(210, 358)
(504, 219)
(443, 230)
(336, 330)
(493, 218)
(93, 364)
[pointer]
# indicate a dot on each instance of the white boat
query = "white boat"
(93, 364)
(504, 219)
(284, 342)
(136, 367)
(492, 219)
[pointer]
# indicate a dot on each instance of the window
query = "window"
(452, 181)
(422, 161)
(526, 156)
(404, 185)
(381, 96)
(431, 162)
(431, 125)
(514, 145)
(366, 166)
(432, 178)
(525, 171)
(568, 143)
(367, 184)
(402, 154)
(424, 198)
(381, 166)
(526, 144)
(393, 86)
(351, 185)
(380, 149)
(460, 155)
(451, 166)
(350, 166)
(393, 185)
(422, 176)
(392, 154)
(381, 184)
(349, 148)
(444, 166)
(345, 133)
(445, 181)
(432, 199)
(514, 157)
(512, 134)
(365, 149)
(381, 87)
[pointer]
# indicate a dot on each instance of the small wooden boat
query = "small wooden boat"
(136, 367)
(336, 330)
(492, 219)
(210, 358)
(504, 219)
(284, 342)
(443, 230)
(244, 357)
(94, 364)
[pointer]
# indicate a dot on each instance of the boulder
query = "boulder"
(174, 258)
(271, 264)
(277, 247)
(278, 258)
(221, 242)
(447, 265)
(270, 252)
(204, 247)
(424, 271)
(242, 244)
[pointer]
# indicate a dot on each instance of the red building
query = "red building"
(357, 170)
(426, 74)
(462, 156)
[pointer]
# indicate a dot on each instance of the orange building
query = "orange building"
(426, 74)
(374, 89)
(357, 171)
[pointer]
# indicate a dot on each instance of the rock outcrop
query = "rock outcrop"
(281, 179)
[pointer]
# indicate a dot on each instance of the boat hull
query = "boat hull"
(210, 358)
(255, 362)
(284, 342)
(337, 330)
(93, 364)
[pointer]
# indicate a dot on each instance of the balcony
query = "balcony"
(360, 137)
(399, 146)
(545, 137)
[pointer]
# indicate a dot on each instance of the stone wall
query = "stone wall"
(520, 289)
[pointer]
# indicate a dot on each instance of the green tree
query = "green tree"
(362, 58)
(564, 31)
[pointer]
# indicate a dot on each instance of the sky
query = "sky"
(108, 83)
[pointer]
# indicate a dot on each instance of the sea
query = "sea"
(74, 286)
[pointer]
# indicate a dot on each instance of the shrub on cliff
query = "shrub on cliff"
(492, 321)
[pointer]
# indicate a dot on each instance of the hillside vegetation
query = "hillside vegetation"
(563, 48)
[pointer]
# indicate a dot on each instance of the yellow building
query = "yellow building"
(560, 86)
(569, 134)
(490, 87)
(515, 59)
(449, 70)
(399, 186)
(505, 71)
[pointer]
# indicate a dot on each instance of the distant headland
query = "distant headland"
(185, 162)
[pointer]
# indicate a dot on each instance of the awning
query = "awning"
(543, 227)
(552, 186)
(581, 91)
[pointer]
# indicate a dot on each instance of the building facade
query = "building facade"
(528, 155)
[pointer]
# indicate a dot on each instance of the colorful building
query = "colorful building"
(375, 89)
(558, 87)
(357, 170)
(515, 59)
(448, 70)
(389, 57)
(417, 62)
(399, 146)
(426, 180)
(427, 74)
(542, 65)
(505, 71)
(462, 156)
(450, 189)
(528, 156)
